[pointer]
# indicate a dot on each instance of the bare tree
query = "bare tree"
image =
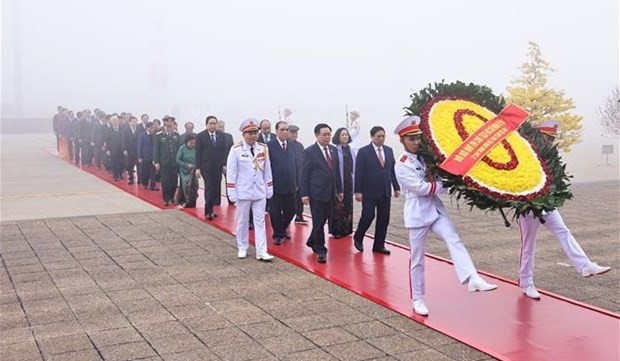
(609, 113)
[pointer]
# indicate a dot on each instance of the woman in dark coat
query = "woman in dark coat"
(186, 160)
(341, 219)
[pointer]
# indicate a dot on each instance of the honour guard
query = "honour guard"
(424, 211)
(528, 225)
(249, 184)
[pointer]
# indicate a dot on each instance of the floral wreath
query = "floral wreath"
(521, 173)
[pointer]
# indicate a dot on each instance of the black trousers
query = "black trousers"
(169, 178)
(130, 164)
(116, 164)
(299, 206)
(147, 176)
(76, 151)
(99, 155)
(87, 153)
(213, 188)
(281, 213)
(320, 213)
(369, 205)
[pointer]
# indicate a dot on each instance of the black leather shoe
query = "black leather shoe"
(359, 245)
(322, 258)
(287, 235)
(277, 241)
(166, 204)
(210, 216)
(382, 251)
(130, 182)
(251, 226)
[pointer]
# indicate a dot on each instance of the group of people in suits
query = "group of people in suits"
(274, 173)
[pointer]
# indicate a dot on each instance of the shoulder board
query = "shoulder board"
(403, 158)
(160, 132)
(263, 144)
(238, 145)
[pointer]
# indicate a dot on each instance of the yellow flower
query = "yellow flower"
(511, 167)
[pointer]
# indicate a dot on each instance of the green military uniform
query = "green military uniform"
(165, 148)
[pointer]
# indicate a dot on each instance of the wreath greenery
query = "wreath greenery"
(553, 195)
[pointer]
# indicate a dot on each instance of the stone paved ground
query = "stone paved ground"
(163, 285)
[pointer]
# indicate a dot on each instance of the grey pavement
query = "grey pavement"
(106, 283)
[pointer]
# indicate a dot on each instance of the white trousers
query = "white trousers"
(243, 217)
(444, 228)
(528, 225)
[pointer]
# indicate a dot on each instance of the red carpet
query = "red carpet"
(503, 323)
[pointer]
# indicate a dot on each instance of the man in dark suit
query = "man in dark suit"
(284, 175)
(129, 144)
(113, 148)
(229, 142)
(374, 179)
(265, 135)
(210, 151)
(100, 129)
(85, 138)
(144, 120)
(145, 157)
(320, 183)
(296, 145)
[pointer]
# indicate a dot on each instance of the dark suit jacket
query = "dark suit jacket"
(113, 140)
(86, 131)
(100, 132)
(318, 181)
(261, 138)
(211, 158)
(228, 142)
(145, 146)
(283, 167)
(129, 141)
(371, 179)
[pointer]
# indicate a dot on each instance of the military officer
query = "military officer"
(249, 184)
(166, 143)
(424, 211)
(528, 225)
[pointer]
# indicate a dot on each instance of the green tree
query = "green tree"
(530, 91)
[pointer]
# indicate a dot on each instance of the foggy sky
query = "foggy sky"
(237, 59)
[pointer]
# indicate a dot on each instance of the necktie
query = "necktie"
(284, 146)
(252, 151)
(380, 155)
(213, 138)
(328, 157)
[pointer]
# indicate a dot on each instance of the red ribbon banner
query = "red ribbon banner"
(480, 142)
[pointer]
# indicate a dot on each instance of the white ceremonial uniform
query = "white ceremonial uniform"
(249, 183)
(528, 225)
(424, 211)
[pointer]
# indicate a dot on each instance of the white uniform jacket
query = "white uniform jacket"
(249, 177)
(422, 206)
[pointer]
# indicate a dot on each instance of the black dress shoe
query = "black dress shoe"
(130, 182)
(214, 215)
(251, 226)
(277, 241)
(210, 216)
(322, 258)
(166, 204)
(287, 235)
(359, 245)
(382, 251)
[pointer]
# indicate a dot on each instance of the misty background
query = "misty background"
(237, 59)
